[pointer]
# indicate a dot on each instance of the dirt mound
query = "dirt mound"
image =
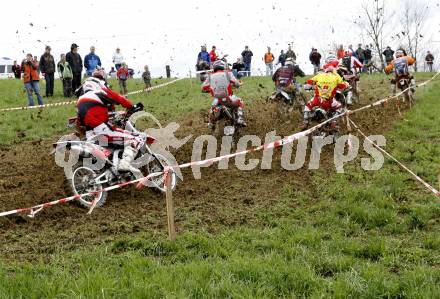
(30, 176)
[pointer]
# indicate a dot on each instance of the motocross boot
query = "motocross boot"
(128, 157)
(212, 120)
(349, 99)
(240, 117)
(412, 84)
(393, 89)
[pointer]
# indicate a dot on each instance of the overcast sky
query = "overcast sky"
(171, 32)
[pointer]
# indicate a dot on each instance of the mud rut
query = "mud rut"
(29, 176)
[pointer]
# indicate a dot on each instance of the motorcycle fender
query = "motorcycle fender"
(402, 82)
(285, 94)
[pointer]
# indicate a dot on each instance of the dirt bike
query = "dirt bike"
(351, 79)
(226, 124)
(329, 129)
(288, 98)
(403, 82)
(97, 165)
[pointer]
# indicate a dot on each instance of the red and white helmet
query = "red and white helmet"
(99, 73)
(399, 53)
(93, 84)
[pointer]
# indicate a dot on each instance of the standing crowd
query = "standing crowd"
(70, 70)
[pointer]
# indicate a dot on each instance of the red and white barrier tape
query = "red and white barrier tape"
(35, 209)
(74, 101)
(39, 106)
(275, 144)
(428, 186)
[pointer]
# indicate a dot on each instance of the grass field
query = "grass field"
(357, 235)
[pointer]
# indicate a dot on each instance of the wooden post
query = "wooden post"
(170, 207)
(190, 79)
(438, 178)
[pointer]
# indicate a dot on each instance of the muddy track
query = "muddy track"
(29, 176)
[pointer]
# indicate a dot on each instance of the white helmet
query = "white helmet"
(219, 65)
(330, 58)
(93, 84)
(288, 61)
(400, 53)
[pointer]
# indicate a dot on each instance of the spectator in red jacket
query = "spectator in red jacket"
(212, 55)
(123, 75)
(31, 80)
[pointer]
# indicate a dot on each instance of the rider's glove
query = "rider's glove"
(136, 107)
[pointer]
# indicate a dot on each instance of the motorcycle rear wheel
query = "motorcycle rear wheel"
(80, 184)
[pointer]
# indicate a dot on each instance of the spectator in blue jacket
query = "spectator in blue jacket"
(91, 61)
(203, 56)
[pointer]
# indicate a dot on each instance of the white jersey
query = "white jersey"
(118, 58)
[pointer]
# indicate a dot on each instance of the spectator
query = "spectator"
(212, 55)
(340, 53)
(268, 60)
(75, 62)
(315, 59)
(203, 56)
(429, 60)
(290, 53)
(47, 68)
(31, 80)
(238, 68)
(91, 61)
(351, 51)
(117, 58)
(146, 76)
(123, 75)
(360, 53)
(16, 69)
(112, 73)
(247, 60)
(368, 56)
(388, 53)
(282, 58)
(66, 75)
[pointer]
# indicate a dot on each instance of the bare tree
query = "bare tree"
(373, 23)
(413, 19)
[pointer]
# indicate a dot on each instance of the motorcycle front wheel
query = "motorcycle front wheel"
(157, 165)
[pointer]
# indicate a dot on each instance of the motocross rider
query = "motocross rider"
(93, 109)
(341, 69)
(285, 75)
(219, 84)
(326, 85)
(400, 66)
(350, 63)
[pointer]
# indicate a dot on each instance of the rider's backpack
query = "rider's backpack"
(401, 66)
(219, 83)
(346, 61)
